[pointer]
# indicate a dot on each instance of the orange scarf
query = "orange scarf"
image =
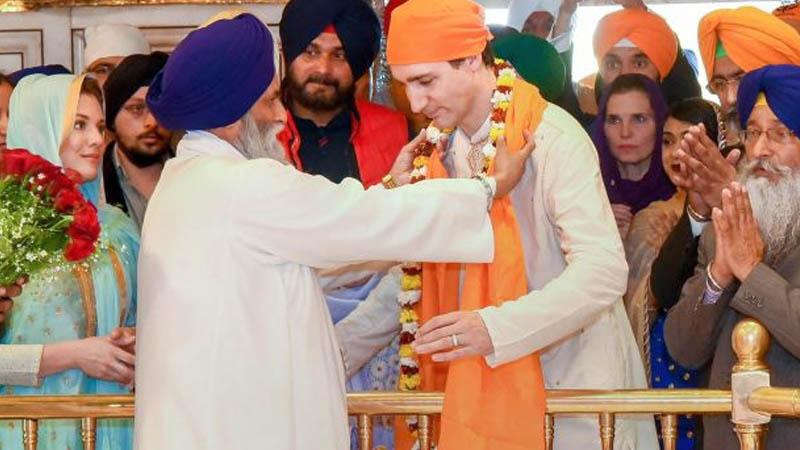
(486, 409)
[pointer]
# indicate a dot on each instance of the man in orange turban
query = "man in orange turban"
(556, 284)
(634, 40)
(735, 41)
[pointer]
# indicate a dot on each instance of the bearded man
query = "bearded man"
(235, 345)
(749, 261)
(327, 45)
(134, 160)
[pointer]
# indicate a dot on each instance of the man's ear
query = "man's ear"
(474, 63)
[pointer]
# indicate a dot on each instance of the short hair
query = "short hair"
(486, 56)
(696, 111)
(91, 88)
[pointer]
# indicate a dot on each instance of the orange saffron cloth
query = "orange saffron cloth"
(648, 31)
(485, 408)
(752, 38)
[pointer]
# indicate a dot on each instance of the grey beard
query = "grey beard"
(775, 207)
(260, 140)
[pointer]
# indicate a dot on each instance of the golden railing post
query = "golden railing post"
(607, 430)
(88, 432)
(425, 432)
(30, 433)
(364, 432)
(549, 431)
(750, 341)
(669, 430)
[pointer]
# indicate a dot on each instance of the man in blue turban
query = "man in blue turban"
(751, 267)
(236, 346)
(328, 45)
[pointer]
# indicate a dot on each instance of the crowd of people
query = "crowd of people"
(607, 233)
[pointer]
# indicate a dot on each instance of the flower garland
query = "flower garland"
(411, 282)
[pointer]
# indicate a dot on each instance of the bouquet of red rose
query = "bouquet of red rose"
(45, 221)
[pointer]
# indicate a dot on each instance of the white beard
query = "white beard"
(260, 141)
(776, 206)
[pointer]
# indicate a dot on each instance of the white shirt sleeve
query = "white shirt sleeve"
(697, 227)
(596, 272)
(19, 364)
(312, 221)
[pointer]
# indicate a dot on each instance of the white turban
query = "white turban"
(107, 40)
(520, 10)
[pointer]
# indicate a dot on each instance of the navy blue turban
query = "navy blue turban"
(214, 76)
(354, 20)
(780, 85)
(50, 69)
(134, 72)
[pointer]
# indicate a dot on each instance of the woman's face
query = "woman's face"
(82, 150)
(674, 130)
(630, 127)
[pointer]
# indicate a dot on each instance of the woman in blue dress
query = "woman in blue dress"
(56, 339)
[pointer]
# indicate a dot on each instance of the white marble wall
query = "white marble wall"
(55, 35)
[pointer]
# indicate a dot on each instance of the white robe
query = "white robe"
(236, 349)
(575, 263)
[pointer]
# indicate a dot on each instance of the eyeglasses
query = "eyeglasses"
(780, 136)
(718, 85)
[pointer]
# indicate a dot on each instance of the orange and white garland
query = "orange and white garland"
(411, 283)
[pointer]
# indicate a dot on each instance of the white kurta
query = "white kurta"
(576, 273)
(236, 349)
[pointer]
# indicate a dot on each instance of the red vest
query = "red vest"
(377, 137)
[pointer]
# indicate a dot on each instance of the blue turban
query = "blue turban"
(214, 76)
(780, 85)
(50, 69)
(354, 20)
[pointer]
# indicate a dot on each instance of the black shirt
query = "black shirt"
(327, 150)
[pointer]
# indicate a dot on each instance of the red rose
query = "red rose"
(78, 250)
(35, 164)
(60, 182)
(12, 162)
(85, 224)
(68, 200)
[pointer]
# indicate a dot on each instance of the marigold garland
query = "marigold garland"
(411, 283)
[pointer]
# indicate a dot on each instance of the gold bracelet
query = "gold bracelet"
(696, 215)
(388, 182)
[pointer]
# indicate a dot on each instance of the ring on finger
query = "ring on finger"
(454, 337)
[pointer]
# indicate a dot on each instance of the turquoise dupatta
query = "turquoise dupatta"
(62, 306)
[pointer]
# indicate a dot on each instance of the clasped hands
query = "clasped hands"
(709, 179)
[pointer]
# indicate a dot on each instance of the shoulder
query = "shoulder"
(369, 110)
(562, 138)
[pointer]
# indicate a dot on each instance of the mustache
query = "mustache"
(322, 79)
(765, 164)
(153, 133)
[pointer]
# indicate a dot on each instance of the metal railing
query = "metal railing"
(751, 403)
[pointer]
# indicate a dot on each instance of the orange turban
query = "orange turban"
(647, 30)
(752, 38)
(432, 31)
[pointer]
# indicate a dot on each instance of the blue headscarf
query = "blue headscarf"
(780, 85)
(215, 74)
(655, 185)
(42, 114)
(354, 20)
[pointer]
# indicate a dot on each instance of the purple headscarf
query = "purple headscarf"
(655, 185)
